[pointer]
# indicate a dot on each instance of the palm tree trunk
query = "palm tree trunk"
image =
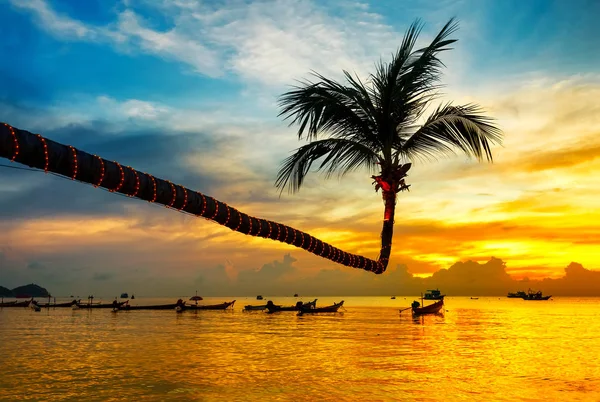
(387, 232)
(41, 153)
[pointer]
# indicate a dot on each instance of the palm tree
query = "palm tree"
(375, 124)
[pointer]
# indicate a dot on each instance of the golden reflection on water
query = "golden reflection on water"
(486, 349)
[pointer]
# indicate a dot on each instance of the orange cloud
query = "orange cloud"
(585, 150)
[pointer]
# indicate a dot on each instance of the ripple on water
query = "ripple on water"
(491, 350)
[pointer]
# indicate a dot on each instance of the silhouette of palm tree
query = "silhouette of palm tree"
(375, 124)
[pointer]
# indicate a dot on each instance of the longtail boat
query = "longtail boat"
(16, 304)
(222, 306)
(102, 305)
(67, 304)
(172, 306)
(255, 308)
(328, 309)
(273, 308)
(431, 309)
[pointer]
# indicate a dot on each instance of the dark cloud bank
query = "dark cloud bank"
(461, 279)
(282, 278)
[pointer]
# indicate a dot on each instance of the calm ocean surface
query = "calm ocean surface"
(488, 349)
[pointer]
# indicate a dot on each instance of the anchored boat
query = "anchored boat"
(255, 308)
(421, 309)
(434, 294)
(67, 304)
(431, 309)
(273, 308)
(221, 306)
(531, 295)
(112, 305)
(328, 309)
(172, 306)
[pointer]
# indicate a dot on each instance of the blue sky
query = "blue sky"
(62, 50)
(187, 90)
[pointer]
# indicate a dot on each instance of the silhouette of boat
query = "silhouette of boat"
(255, 308)
(531, 295)
(328, 309)
(16, 304)
(431, 309)
(273, 308)
(66, 304)
(295, 294)
(434, 294)
(124, 296)
(393, 297)
(171, 306)
(221, 306)
(259, 297)
(517, 295)
(101, 305)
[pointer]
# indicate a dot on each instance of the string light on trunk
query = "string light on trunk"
(46, 157)
(74, 152)
(35, 151)
(15, 142)
(101, 178)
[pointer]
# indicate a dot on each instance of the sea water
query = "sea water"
(486, 349)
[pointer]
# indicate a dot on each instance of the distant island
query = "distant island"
(5, 292)
(25, 291)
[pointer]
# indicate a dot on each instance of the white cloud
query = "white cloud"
(59, 24)
(169, 44)
(126, 33)
(270, 43)
(133, 108)
(277, 42)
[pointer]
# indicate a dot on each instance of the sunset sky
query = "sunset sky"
(187, 91)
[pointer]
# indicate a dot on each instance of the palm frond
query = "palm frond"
(386, 74)
(418, 82)
(407, 85)
(377, 122)
(339, 155)
(448, 128)
(329, 107)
